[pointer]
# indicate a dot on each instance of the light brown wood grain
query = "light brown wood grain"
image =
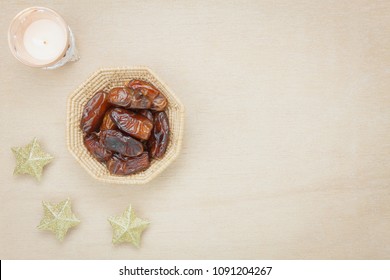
(286, 143)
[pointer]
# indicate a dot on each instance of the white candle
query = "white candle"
(45, 40)
(39, 37)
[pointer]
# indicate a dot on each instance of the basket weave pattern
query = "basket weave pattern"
(106, 79)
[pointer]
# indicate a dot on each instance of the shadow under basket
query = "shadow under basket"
(106, 79)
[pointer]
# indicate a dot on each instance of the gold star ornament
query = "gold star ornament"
(58, 218)
(31, 159)
(127, 228)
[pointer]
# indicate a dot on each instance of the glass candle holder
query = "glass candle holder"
(39, 37)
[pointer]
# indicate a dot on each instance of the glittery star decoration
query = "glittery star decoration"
(31, 159)
(127, 228)
(58, 218)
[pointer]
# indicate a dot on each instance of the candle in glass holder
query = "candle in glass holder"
(39, 37)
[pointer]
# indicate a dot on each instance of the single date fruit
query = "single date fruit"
(158, 141)
(146, 96)
(146, 113)
(159, 103)
(107, 122)
(120, 165)
(120, 96)
(115, 141)
(96, 148)
(140, 100)
(93, 112)
(134, 124)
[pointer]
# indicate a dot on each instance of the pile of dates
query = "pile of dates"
(126, 127)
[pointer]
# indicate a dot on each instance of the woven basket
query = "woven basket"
(105, 79)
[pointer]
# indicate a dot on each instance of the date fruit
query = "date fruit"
(158, 141)
(115, 141)
(96, 148)
(137, 94)
(120, 165)
(146, 96)
(140, 101)
(120, 96)
(134, 124)
(159, 103)
(107, 122)
(93, 113)
(146, 113)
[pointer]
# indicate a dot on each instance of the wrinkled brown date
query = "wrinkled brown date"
(140, 101)
(115, 141)
(96, 148)
(93, 112)
(134, 124)
(146, 96)
(120, 165)
(159, 103)
(107, 122)
(158, 141)
(146, 113)
(138, 94)
(120, 96)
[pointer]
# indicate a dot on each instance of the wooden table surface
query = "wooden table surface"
(286, 151)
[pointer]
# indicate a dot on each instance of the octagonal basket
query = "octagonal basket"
(106, 79)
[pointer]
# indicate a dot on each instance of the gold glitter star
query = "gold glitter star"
(127, 228)
(58, 218)
(31, 159)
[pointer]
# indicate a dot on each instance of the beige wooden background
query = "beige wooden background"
(287, 134)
